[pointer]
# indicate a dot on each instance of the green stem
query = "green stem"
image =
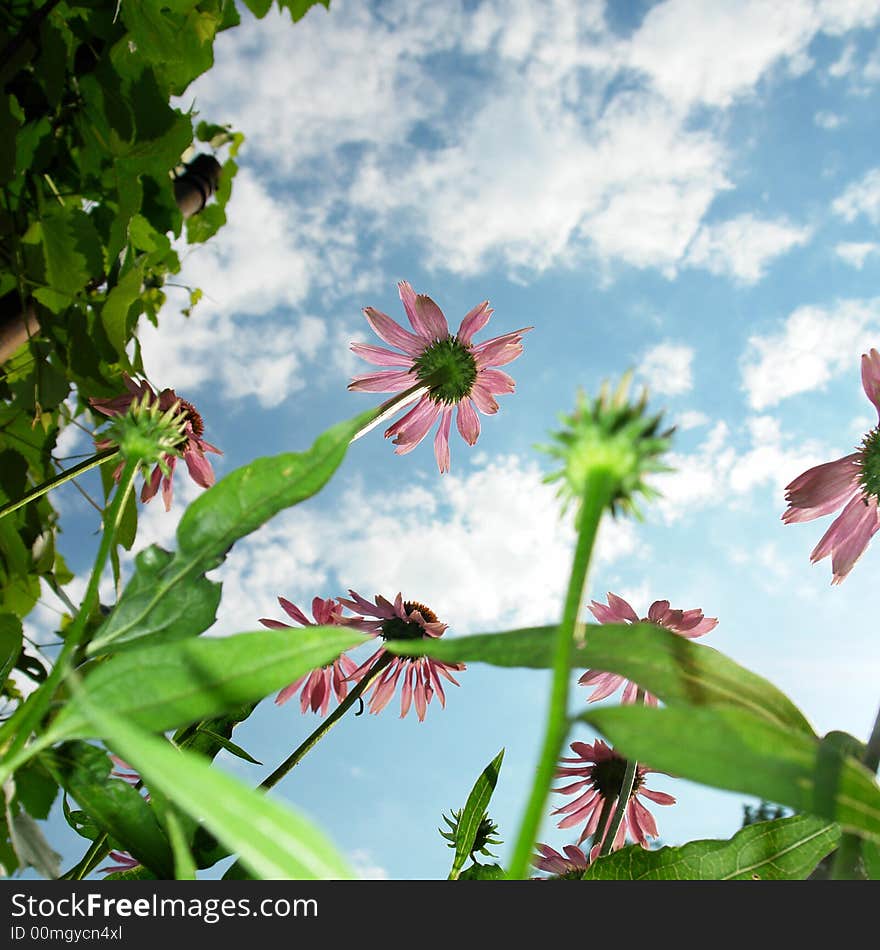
(98, 850)
(623, 797)
(390, 406)
(847, 858)
(326, 724)
(84, 466)
(626, 787)
(598, 493)
(18, 728)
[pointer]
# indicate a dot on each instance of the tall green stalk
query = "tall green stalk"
(598, 493)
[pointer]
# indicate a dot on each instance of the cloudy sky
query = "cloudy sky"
(688, 188)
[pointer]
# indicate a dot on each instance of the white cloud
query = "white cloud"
(828, 120)
(486, 550)
(729, 46)
(366, 867)
(855, 253)
(814, 344)
(743, 246)
(690, 419)
(718, 473)
(861, 198)
(561, 139)
(666, 368)
(845, 63)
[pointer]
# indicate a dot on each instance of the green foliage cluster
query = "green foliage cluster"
(91, 143)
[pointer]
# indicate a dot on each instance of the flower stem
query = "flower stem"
(847, 858)
(86, 465)
(598, 493)
(626, 787)
(17, 729)
(96, 853)
(326, 724)
(390, 406)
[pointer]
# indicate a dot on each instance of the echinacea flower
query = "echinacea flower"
(572, 864)
(318, 685)
(124, 862)
(192, 446)
(686, 623)
(458, 373)
(599, 771)
(852, 482)
(402, 620)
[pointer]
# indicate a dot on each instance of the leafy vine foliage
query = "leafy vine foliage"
(95, 163)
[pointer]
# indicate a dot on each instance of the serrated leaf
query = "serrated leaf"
(733, 749)
(167, 598)
(472, 815)
(274, 842)
(672, 667)
(786, 849)
(71, 248)
(163, 687)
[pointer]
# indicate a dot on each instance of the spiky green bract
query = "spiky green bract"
(612, 435)
(147, 434)
(485, 836)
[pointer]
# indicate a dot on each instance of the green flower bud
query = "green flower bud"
(610, 437)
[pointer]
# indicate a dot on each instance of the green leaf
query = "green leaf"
(230, 747)
(163, 687)
(871, 859)
(483, 872)
(672, 667)
(787, 849)
(274, 842)
(733, 749)
(11, 640)
(259, 8)
(168, 598)
(35, 790)
(184, 866)
(114, 313)
(71, 248)
(10, 120)
(474, 810)
(115, 806)
(299, 8)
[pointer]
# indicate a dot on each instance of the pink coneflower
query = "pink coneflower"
(572, 864)
(193, 448)
(600, 772)
(403, 620)
(853, 482)
(318, 685)
(457, 372)
(124, 862)
(686, 623)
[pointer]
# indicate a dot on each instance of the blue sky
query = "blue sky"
(690, 189)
